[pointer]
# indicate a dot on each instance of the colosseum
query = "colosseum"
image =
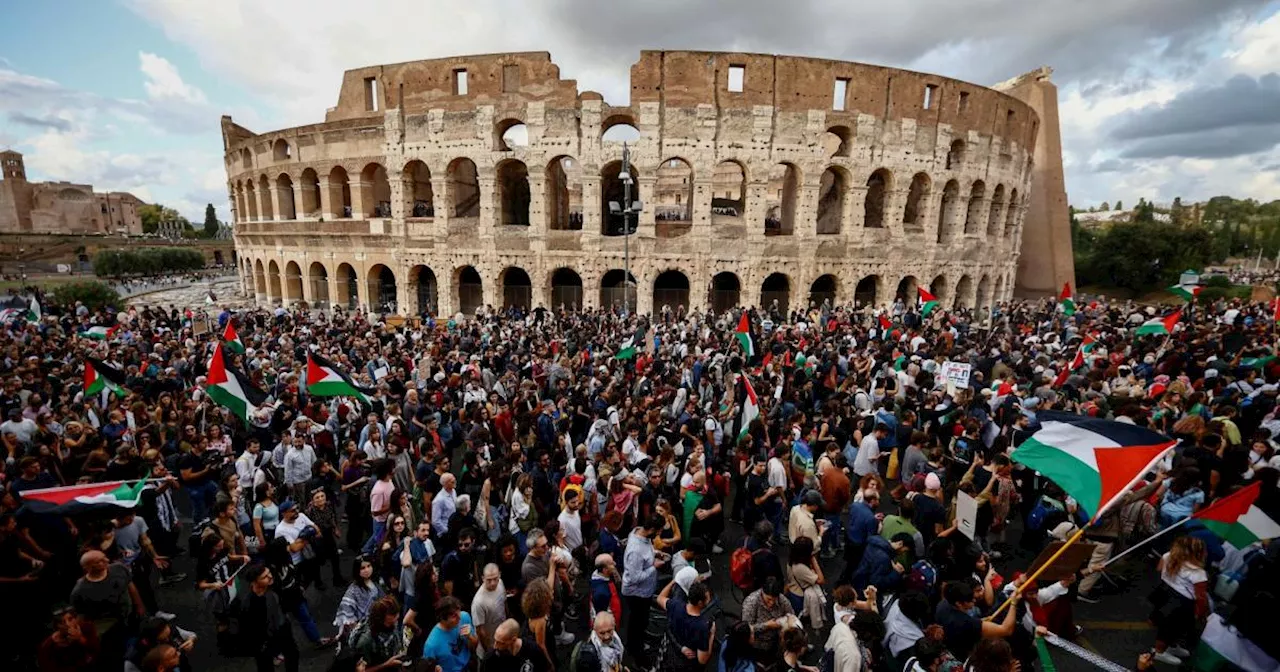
(443, 185)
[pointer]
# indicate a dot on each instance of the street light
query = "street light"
(626, 208)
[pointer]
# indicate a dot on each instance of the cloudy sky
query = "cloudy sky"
(1159, 98)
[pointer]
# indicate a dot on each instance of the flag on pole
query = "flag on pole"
(100, 333)
(232, 389)
(1160, 326)
(1257, 362)
(325, 380)
(743, 334)
(750, 407)
(99, 376)
(1086, 346)
(33, 311)
(927, 301)
(1236, 520)
(1094, 461)
(1222, 648)
(1186, 292)
(1068, 304)
(74, 499)
(627, 350)
(1276, 311)
(231, 339)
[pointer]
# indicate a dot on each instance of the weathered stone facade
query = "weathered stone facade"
(448, 183)
(60, 207)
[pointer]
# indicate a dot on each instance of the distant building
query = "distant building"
(171, 229)
(61, 207)
(1105, 218)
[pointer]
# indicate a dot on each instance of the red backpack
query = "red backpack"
(740, 568)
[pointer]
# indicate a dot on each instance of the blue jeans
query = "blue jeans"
(302, 611)
(379, 529)
(201, 499)
(835, 532)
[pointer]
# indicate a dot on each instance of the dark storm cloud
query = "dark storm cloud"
(1218, 143)
(49, 121)
(1241, 102)
(1082, 40)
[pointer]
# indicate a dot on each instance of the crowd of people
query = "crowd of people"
(515, 491)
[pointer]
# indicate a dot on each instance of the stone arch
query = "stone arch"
(318, 278)
(470, 289)
(776, 287)
(726, 292)
(614, 292)
(964, 292)
(670, 289)
(246, 158)
(339, 193)
(510, 134)
(310, 186)
(832, 192)
(879, 186)
(513, 193)
(947, 211)
(264, 190)
(419, 196)
(260, 278)
(237, 194)
(997, 297)
(382, 291)
(673, 196)
(917, 196)
(284, 188)
(973, 212)
(280, 150)
(619, 128)
(375, 192)
(825, 288)
(955, 155)
(612, 189)
(517, 288)
(939, 289)
(868, 292)
(984, 292)
(1011, 213)
(251, 199)
(784, 193)
(729, 190)
(464, 187)
(563, 202)
(997, 209)
(348, 287)
(566, 289)
(274, 293)
(907, 291)
(426, 290)
(837, 141)
(292, 283)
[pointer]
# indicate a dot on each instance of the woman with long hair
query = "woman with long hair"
(668, 538)
(536, 605)
(266, 515)
(421, 617)
(804, 582)
(738, 654)
(359, 597)
(1181, 599)
(388, 559)
(523, 515)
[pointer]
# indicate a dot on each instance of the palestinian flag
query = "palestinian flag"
(627, 350)
(885, 324)
(927, 301)
(899, 362)
(1223, 648)
(99, 376)
(1257, 362)
(1237, 520)
(1068, 304)
(325, 380)
(74, 499)
(1276, 311)
(1160, 326)
(1186, 292)
(232, 389)
(33, 311)
(100, 333)
(1094, 461)
(1076, 362)
(743, 334)
(231, 339)
(750, 408)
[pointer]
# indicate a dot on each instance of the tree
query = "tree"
(1105, 207)
(210, 222)
(1178, 214)
(1119, 205)
(1141, 256)
(1145, 212)
(91, 293)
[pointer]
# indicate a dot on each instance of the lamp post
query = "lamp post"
(626, 208)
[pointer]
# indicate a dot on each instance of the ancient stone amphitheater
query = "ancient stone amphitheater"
(446, 184)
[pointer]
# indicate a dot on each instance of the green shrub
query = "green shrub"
(1218, 281)
(91, 293)
(146, 261)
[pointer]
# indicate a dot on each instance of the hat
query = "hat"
(286, 505)
(686, 576)
(932, 482)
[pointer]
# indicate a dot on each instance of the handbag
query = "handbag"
(893, 465)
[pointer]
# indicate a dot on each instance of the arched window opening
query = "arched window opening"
(339, 193)
(984, 296)
(418, 193)
(823, 291)
(906, 292)
(973, 215)
(618, 129)
(837, 141)
(464, 185)
(878, 187)
(964, 292)
(670, 292)
(310, 186)
(280, 150)
(566, 289)
(955, 155)
(318, 279)
(375, 192)
(513, 193)
(470, 290)
(831, 196)
(251, 199)
(292, 283)
(511, 133)
(274, 293)
(673, 192)
(564, 194)
(1011, 214)
(997, 209)
(728, 190)
(780, 203)
(948, 210)
(726, 292)
(348, 290)
(612, 189)
(867, 293)
(284, 191)
(775, 294)
(382, 290)
(264, 190)
(917, 195)
(938, 288)
(427, 289)
(517, 289)
(615, 293)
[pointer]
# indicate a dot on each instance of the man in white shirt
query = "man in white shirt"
(631, 448)
(290, 528)
(489, 607)
(869, 451)
(444, 504)
(571, 520)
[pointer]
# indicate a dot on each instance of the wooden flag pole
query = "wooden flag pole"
(1047, 563)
